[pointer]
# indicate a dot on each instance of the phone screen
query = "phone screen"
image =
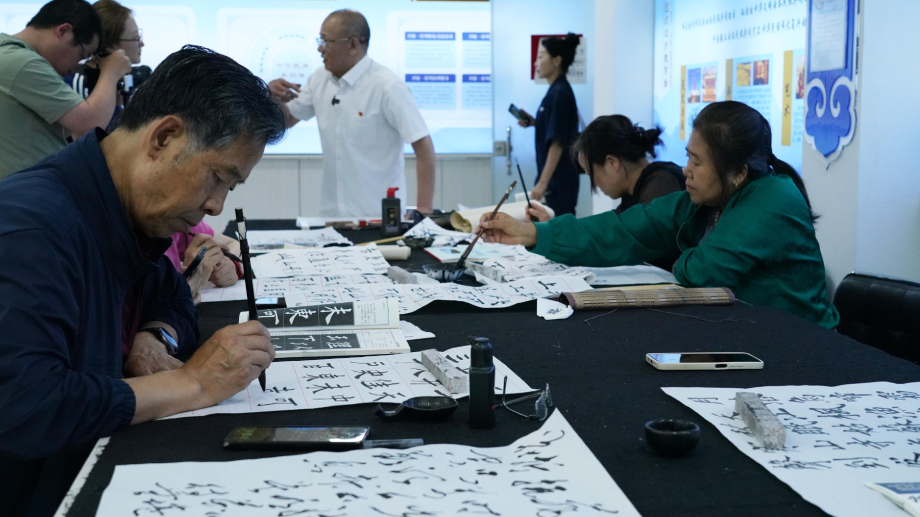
(704, 358)
(515, 111)
(346, 437)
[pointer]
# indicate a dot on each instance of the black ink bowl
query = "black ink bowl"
(443, 272)
(672, 437)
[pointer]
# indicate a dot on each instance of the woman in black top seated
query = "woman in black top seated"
(618, 155)
(615, 154)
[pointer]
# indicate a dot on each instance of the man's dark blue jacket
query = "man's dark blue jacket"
(69, 256)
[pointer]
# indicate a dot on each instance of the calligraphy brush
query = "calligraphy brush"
(247, 276)
(481, 229)
(523, 185)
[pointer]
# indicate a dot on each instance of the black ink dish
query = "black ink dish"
(443, 272)
(672, 437)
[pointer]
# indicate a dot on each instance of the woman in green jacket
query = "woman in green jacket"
(744, 222)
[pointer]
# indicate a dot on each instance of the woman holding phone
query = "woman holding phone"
(556, 126)
(744, 222)
(121, 33)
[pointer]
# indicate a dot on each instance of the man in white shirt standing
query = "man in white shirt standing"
(365, 113)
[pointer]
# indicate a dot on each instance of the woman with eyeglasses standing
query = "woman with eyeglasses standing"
(556, 126)
(120, 32)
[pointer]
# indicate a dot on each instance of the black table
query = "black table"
(595, 365)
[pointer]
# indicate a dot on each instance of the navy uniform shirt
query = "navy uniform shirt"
(557, 119)
(69, 257)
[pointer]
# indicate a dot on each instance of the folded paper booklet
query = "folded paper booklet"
(618, 298)
(905, 494)
(335, 329)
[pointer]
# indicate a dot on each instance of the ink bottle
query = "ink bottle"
(482, 385)
(392, 213)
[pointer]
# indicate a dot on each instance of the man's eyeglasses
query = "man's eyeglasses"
(86, 55)
(541, 406)
(322, 42)
(140, 36)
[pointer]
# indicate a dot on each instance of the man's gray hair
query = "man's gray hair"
(354, 25)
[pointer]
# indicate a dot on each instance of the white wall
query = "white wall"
(869, 198)
(624, 43)
(288, 187)
(888, 230)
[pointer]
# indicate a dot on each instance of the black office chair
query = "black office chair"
(881, 312)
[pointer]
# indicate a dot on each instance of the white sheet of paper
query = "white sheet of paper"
(548, 472)
(414, 297)
(275, 287)
(837, 439)
(412, 332)
(442, 236)
(261, 240)
(318, 222)
(553, 310)
(353, 260)
(630, 275)
(320, 383)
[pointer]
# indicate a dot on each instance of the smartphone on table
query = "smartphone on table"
(704, 361)
(278, 438)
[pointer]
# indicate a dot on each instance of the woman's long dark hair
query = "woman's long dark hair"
(617, 136)
(738, 135)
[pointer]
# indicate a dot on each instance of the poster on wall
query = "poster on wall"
(830, 112)
(751, 51)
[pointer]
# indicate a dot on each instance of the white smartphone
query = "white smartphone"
(705, 361)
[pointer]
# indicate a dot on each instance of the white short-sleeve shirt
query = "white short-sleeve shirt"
(363, 118)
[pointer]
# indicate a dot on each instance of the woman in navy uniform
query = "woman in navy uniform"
(557, 126)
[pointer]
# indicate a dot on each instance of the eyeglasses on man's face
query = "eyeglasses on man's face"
(542, 404)
(322, 42)
(85, 55)
(140, 36)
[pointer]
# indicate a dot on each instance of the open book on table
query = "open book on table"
(335, 329)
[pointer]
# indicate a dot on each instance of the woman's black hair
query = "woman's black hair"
(564, 47)
(738, 135)
(615, 135)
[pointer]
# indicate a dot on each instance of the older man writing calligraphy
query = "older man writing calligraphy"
(84, 284)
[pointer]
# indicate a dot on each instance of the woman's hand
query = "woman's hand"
(527, 121)
(537, 212)
(224, 273)
(505, 229)
(538, 192)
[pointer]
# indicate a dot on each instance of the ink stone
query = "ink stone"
(762, 423)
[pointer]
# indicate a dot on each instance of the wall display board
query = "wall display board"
(752, 51)
(830, 119)
(442, 50)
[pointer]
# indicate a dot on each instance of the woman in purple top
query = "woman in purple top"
(215, 268)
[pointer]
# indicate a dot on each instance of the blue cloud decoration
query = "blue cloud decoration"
(830, 90)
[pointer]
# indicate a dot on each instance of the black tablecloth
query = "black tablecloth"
(595, 365)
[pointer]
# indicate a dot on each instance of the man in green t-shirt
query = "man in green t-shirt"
(37, 109)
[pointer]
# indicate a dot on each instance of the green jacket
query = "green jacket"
(763, 248)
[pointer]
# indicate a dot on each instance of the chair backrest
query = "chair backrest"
(881, 312)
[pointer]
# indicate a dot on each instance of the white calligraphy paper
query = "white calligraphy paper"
(354, 260)
(442, 237)
(276, 287)
(524, 264)
(837, 439)
(413, 297)
(261, 240)
(548, 472)
(354, 380)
